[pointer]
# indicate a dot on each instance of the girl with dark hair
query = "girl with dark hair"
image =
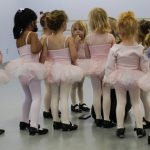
(28, 68)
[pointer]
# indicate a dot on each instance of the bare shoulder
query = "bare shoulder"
(69, 40)
(33, 35)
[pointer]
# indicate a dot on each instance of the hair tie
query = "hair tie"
(20, 10)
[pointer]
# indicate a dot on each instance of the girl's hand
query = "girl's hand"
(77, 39)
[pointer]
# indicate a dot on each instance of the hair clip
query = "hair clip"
(20, 9)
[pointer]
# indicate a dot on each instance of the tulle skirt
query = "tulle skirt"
(4, 78)
(61, 72)
(92, 66)
(125, 78)
(19, 67)
(144, 82)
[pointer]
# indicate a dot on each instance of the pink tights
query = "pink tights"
(32, 90)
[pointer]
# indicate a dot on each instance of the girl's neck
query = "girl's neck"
(46, 32)
(129, 41)
(58, 33)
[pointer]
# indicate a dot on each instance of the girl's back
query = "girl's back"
(100, 39)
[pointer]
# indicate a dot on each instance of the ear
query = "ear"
(32, 23)
(64, 24)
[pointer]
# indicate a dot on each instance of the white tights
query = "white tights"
(32, 101)
(145, 97)
(121, 103)
(97, 93)
(106, 102)
(60, 95)
(47, 98)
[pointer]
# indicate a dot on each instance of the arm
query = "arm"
(72, 48)
(144, 63)
(111, 63)
(36, 46)
(43, 55)
(87, 51)
(113, 40)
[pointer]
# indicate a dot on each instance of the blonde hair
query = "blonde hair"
(127, 24)
(98, 20)
(147, 41)
(82, 25)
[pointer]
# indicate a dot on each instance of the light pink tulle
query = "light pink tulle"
(124, 78)
(144, 82)
(4, 78)
(60, 72)
(92, 67)
(18, 68)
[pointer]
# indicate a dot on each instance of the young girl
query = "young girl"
(61, 52)
(126, 64)
(79, 32)
(28, 69)
(47, 98)
(3, 79)
(144, 38)
(99, 42)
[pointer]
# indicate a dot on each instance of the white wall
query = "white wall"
(7, 42)
(78, 9)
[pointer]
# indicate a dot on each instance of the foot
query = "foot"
(2, 131)
(120, 132)
(149, 139)
(33, 131)
(69, 127)
(24, 125)
(99, 122)
(76, 108)
(84, 107)
(140, 132)
(146, 124)
(57, 125)
(108, 124)
(47, 115)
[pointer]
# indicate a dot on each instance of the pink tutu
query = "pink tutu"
(124, 78)
(4, 78)
(144, 82)
(60, 72)
(18, 68)
(92, 66)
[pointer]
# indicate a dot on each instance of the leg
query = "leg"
(73, 94)
(47, 98)
(146, 103)
(121, 103)
(55, 89)
(74, 106)
(64, 95)
(47, 101)
(82, 105)
(106, 102)
(80, 91)
(120, 111)
(35, 89)
(135, 101)
(97, 92)
(27, 103)
(106, 107)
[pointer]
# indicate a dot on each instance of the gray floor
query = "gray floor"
(87, 137)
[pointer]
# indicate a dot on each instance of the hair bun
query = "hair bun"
(128, 15)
